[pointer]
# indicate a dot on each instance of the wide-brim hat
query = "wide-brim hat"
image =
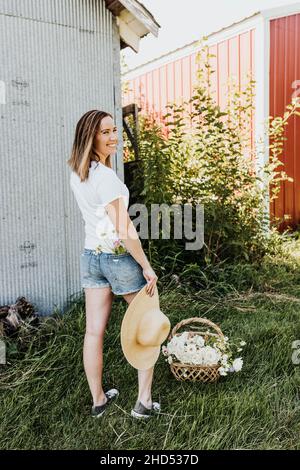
(144, 328)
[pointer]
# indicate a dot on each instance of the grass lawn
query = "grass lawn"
(45, 401)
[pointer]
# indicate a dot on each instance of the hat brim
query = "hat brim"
(140, 357)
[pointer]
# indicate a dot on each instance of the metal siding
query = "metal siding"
(117, 96)
(288, 147)
(163, 89)
(296, 149)
(194, 68)
(253, 72)
(170, 82)
(156, 91)
(245, 56)
(284, 70)
(150, 92)
(57, 61)
(186, 85)
(77, 14)
(222, 71)
(142, 92)
(214, 78)
(233, 56)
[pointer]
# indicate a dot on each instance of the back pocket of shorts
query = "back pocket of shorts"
(85, 265)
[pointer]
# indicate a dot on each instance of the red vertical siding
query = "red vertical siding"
(186, 83)
(175, 80)
(234, 58)
(222, 71)
(284, 70)
(213, 50)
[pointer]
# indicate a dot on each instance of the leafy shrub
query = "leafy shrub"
(201, 154)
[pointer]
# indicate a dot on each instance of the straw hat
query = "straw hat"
(144, 328)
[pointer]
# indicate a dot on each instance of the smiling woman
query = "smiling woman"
(106, 138)
(103, 200)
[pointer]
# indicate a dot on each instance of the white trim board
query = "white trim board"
(281, 11)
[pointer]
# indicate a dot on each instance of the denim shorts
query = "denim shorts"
(120, 272)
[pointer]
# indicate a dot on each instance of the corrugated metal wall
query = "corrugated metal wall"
(58, 60)
(284, 74)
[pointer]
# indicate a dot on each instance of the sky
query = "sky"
(185, 21)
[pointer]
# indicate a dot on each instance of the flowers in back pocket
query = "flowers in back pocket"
(119, 247)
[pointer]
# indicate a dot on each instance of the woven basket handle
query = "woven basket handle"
(203, 321)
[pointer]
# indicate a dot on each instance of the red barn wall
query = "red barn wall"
(284, 74)
(174, 81)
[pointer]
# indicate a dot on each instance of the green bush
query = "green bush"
(202, 155)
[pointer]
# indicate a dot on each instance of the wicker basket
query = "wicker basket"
(196, 373)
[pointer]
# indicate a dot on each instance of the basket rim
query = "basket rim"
(199, 320)
(195, 366)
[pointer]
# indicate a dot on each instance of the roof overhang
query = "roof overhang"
(134, 21)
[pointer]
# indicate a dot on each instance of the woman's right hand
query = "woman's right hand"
(151, 279)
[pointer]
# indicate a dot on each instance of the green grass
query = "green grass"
(45, 400)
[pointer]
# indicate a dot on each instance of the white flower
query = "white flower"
(183, 357)
(192, 340)
(224, 360)
(197, 358)
(184, 336)
(170, 360)
(237, 364)
(243, 343)
(200, 341)
(191, 349)
(240, 349)
(211, 356)
(222, 371)
(172, 345)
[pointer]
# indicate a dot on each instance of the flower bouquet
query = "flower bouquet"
(201, 355)
(118, 247)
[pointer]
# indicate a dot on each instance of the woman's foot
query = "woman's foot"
(141, 411)
(98, 410)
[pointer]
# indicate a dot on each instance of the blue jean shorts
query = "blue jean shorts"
(120, 272)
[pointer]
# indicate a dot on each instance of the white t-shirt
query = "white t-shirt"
(92, 195)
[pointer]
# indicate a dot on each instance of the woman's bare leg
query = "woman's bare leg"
(98, 302)
(145, 377)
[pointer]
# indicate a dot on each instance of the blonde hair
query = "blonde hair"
(83, 151)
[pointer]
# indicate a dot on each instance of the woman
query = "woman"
(113, 261)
